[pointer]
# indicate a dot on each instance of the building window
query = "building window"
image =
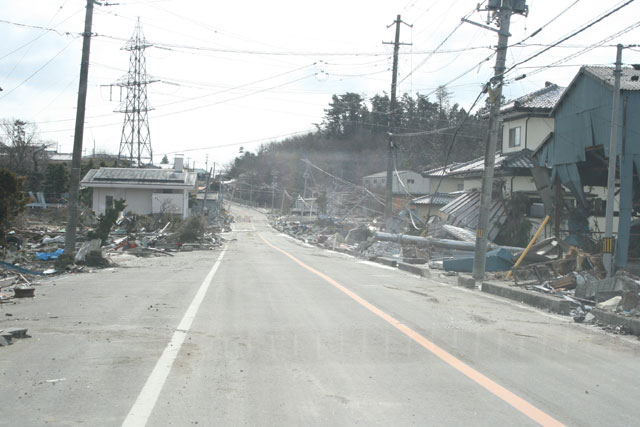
(410, 181)
(460, 187)
(108, 202)
(514, 137)
(375, 181)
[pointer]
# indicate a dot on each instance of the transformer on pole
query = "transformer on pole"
(135, 142)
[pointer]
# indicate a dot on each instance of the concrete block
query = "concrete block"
(532, 298)
(466, 281)
(415, 269)
(632, 324)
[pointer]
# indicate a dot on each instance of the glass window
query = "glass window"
(514, 137)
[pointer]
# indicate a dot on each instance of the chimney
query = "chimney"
(178, 163)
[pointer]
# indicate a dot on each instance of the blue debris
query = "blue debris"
(497, 260)
(46, 256)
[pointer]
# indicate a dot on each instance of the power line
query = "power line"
(38, 70)
(573, 34)
(536, 32)
(558, 63)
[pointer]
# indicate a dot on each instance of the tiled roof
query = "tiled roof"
(541, 100)
(629, 80)
(517, 159)
(168, 177)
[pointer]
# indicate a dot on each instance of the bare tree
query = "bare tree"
(22, 151)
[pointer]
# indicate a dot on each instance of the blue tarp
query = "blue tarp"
(46, 256)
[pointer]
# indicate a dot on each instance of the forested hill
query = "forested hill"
(351, 142)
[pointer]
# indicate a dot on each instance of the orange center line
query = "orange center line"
(509, 397)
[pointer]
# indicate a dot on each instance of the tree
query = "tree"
(22, 151)
(165, 160)
(56, 180)
(12, 200)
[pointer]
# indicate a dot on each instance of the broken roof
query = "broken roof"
(464, 211)
(629, 80)
(542, 100)
(436, 199)
(124, 177)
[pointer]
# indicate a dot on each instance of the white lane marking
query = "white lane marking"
(142, 408)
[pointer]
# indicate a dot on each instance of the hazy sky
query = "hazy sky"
(242, 73)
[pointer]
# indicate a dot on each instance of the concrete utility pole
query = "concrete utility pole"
(503, 13)
(76, 161)
(388, 206)
(206, 191)
(609, 240)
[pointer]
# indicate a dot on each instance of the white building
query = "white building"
(412, 182)
(145, 191)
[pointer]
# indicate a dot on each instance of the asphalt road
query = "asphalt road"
(273, 332)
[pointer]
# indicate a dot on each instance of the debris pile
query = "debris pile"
(36, 247)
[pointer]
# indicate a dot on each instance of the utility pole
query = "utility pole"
(502, 15)
(388, 206)
(76, 161)
(609, 240)
(273, 195)
(282, 202)
(206, 192)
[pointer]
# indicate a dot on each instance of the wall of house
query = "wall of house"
(414, 182)
(138, 200)
(448, 185)
(171, 203)
(472, 184)
(533, 130)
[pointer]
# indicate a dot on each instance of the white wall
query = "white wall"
(533, 131)
(167, 203)
(141, 201)
(138, 200)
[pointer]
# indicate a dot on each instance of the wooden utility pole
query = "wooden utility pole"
(388, 206)
(503, 14)
(76, 161)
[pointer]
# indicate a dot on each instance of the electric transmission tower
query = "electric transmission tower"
(135, 142)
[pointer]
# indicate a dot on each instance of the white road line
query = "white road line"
(142, 408)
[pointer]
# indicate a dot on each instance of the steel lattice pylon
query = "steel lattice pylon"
(135, 142)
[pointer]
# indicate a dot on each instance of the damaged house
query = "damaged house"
(526, 125)
(578, 150)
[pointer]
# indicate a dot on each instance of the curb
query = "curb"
(386, 261)
(546, 302)
(613, 319)
(414, 269)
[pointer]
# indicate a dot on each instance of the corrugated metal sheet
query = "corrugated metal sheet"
(435, 199)
(464, 212)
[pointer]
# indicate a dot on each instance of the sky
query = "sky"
(231, 74)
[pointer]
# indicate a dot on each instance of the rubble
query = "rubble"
(36, 247)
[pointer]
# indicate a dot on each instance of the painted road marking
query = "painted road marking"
(142, 408)
(509, 397)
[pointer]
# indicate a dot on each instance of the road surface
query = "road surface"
(269, 331)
